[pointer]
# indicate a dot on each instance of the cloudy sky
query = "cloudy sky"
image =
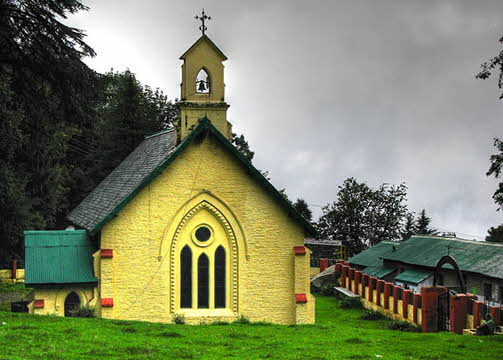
(383, 91)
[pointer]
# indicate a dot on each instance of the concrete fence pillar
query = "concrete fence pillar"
(371, 289)
(478, 313)
(387, 290)
(458, 310)
(405, 302)
(429, 310)
(495, 312)
(323, 264)
(338, 267)
(358, 275)
(365, 279)
(344, 275)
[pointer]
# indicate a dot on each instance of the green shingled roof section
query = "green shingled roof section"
(480, 257)
(413, 276)
(372, 256)
(58, 257)
(378, 271)
(137, 171)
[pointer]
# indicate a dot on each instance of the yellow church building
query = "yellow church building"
(184, 227)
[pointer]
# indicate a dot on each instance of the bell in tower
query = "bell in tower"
(203, 88)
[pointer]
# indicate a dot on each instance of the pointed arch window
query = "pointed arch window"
(203, 282)
(186, 278)
(203, 82)
(220, 277)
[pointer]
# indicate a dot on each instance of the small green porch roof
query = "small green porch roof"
(58, 257)
(378, 271)
(413, 276)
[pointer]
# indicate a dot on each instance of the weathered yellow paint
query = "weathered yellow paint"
(313, 271)
(205, 184)
(6, 275)
(389, 313)
(469, 321)
(193, 105)
(54, 299)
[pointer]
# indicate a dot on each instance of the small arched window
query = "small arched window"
(220, 278)
(186, 278)
(72, 304)
(203, 282)
(203, 82)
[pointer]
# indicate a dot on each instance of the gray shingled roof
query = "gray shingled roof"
(123, 180)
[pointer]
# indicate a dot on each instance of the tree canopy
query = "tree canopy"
(362, 216)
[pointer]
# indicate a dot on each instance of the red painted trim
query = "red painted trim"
(107, 302)
(300, 298)
(39, 304)
(107, 253)
(299, 250)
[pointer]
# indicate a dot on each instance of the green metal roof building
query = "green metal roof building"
(413, 262)
(58, 257)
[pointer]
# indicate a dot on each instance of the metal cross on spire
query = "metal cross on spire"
(203, 18)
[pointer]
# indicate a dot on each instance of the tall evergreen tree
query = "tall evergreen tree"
(496, 169)
(409, 227)
(50, 93)
(303, 209)
(423, 224)
(242, 146)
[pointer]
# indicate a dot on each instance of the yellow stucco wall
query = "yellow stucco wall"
(265, 272)
(6, 275)
(54, 299)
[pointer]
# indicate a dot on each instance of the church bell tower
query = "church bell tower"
(202, 87)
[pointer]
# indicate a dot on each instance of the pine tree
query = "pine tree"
(423, 224)
(409, 227)
(303, 209)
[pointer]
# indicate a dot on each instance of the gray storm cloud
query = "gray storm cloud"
(323, 90)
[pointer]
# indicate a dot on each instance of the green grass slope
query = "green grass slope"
(338, 334)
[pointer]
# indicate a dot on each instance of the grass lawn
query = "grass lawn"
(338, 334)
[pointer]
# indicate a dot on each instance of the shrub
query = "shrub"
(372, 315)
(350, 303)
(178, 318)
(242, 320)
(402, 326)
(84, 311)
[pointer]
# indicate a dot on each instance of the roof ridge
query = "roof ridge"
(158, 133)
(489, 243)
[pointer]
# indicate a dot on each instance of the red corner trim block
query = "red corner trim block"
(107, 302)
(299, 250)
(38, 304)
(300, 298)
(107, 253)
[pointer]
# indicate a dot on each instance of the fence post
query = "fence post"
(496, 314)
(378, 292)
(14, 270)
(357, 282)
(343, 276)
(371, 288)
(351, 274)
(323, 264)
(458, 311)
(478, 313)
